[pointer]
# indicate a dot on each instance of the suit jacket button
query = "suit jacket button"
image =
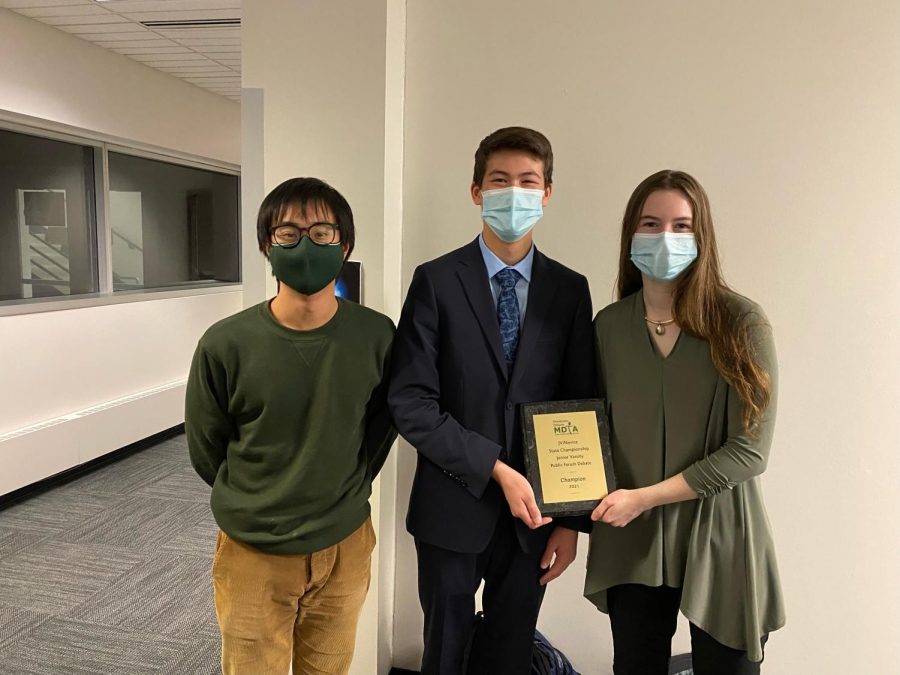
(509, 406)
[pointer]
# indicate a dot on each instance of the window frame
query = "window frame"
(102, 145)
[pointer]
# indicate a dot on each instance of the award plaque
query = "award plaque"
(568, 457)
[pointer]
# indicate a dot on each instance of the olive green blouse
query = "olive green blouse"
(677, 415)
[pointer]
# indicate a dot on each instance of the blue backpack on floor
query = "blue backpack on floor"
(545, 658)
(548, 660)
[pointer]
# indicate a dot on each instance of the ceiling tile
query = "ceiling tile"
(160, 58)
(135, 51)
(154, 42)
(195, 65)
(232, 79)
(214, 79)
(23, 4)
(184, 15)
(83, 20)
(183, 71)
(169, 5)
(100, 28)
(154, 64)
(116, 37)
(207, 57)
(187, 33)
(64, 10)
(218, 49)
(210, 42)
(219, 85)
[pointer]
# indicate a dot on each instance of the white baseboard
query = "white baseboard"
(41, 450)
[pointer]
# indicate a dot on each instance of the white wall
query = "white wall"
(59, 367)
(316, 78)
(320, 66)
(58, 363)
(52, 75)
(787, 113)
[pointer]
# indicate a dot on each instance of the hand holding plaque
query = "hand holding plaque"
(567, 455)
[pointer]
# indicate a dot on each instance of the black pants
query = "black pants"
(643, 622)
(512, 598)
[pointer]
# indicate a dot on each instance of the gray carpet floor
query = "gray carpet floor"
(110, 573)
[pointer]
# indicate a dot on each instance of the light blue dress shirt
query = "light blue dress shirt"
(523, 267)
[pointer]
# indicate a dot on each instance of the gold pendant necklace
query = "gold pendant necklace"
(660, 325)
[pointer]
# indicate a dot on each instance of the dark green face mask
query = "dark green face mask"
(307, 267)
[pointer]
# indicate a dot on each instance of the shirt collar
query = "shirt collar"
(494, 264)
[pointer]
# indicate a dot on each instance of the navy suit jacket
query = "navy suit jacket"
(454, 401)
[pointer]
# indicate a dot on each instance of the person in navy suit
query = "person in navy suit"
(485, 328)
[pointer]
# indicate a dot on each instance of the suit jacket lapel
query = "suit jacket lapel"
(473, 276)
(537, 313)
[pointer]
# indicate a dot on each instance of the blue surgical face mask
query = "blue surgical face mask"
(665, 255)
(511, 212)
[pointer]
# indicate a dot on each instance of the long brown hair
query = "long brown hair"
(700, 301)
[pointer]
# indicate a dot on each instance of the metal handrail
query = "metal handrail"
(49, 245)
(45, 270)
(128, 241)
(47, 257)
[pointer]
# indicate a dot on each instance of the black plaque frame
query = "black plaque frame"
(532, 467)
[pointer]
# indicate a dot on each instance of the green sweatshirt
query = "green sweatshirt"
(290, 427)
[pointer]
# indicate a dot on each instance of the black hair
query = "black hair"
(302, 193)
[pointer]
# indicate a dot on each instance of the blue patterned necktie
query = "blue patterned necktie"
(508, 312)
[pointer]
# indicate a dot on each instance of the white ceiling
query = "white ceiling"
(208, 56)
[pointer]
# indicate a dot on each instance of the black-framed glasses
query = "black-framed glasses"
(288, 235)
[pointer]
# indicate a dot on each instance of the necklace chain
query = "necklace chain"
(660, 326)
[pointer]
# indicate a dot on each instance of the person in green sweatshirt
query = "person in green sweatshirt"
(286, 418)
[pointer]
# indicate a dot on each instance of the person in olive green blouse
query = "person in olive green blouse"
(688, 370)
